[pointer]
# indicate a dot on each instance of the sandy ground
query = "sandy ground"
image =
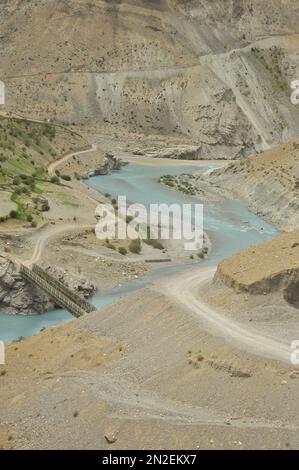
(6, 204)
(258, 287)
(169, 162)
(144, 373)
(184, 288)
(268, 313)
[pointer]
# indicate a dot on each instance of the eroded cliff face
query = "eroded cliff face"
(215, 73)
(17, 296)
(265, 268)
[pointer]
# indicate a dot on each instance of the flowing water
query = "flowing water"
(231, 227)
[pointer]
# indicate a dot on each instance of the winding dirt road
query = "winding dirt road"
(44, 236)
(54, 165)
(47, 233)
(183, 288)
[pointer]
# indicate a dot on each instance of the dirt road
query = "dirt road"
(183, 288)
(44, 236)
(54, 165)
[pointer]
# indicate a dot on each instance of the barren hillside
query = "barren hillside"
(214, 73)
(156, 380)
(268, 183)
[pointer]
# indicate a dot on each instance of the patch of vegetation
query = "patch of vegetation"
(273, 61)
(122, 250)
(135, 246)
(181, 183)
(26, 149)
(55, 180)
(109, 245)
(66, 177)
(129, 219)
(154, 243)
(168, 180)
(202, 254)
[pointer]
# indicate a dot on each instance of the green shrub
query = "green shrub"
(66, 177)
(154, 243)
(122, 250)
(17, 180)
(129, 219)
(135, 246)
(110, 246)
(157, 245)
(13, 214)
(54, 179)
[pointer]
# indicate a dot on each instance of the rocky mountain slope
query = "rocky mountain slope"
(215, 73)
(268, 183)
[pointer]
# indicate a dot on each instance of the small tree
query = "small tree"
(54, 180)
(135, 246)
(66, 177)
(13, 214)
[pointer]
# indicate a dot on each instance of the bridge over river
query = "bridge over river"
(61, 294)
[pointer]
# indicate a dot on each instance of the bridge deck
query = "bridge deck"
(63, 289)
(63, 296)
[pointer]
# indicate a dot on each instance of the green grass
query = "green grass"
(25, 149)
(22, 211)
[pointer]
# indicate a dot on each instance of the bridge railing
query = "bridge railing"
(60, 298)
(64, 289)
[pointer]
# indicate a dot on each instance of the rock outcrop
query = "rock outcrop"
(110, 163)
(180, 152)
(16, 295)
(268, 267)
(75, 282)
